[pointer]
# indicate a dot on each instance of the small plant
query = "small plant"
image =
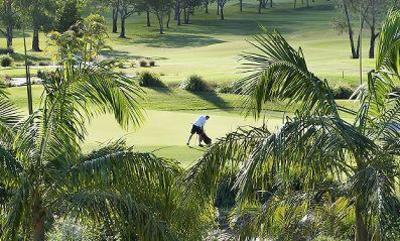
(148, 79)
(342, 92)
(152, 63)
(194, 83)
(143, 63)
(4, 51)
(229, 88)
(6, 61)
(42, 63)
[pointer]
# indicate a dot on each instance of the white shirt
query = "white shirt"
(200, 121)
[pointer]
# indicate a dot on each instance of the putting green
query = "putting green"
(166, 132)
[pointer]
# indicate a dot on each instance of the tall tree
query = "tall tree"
(41, 15)
(9, 18)
(126, 9)
(68, 13)
(221, 6)
(160, 8)
(318, 164)
(374, 16)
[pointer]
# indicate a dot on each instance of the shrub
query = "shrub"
(143, 63)
(152, 63)
(225, 196)
(147, 79)
(6, 61)
(194, 83)
(230, 88)
(4, 51)
(342, 92)
(42, 63)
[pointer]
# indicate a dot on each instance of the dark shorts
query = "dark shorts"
(196, 129)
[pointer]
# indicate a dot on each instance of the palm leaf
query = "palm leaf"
(136, 217)
(279, 72)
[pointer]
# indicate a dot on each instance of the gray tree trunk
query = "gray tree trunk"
(115, 20)
(35, 40)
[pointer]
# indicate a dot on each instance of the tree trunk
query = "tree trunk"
(361, 229)
(206, 7)
(218, 8)
(372, 44)
(373, 34)
(9, 38)
(39, 214)
(160, 23)
(308, 3)
(148, 18)
(241, 5)
(184, 15)
(178, 18)
(295, 3)
(187, 21)
(259, 6)
(122, 34)
(35, 40)
(270, 3)
(354, 53)
(222, 12)
(115, 20)
(169, 18)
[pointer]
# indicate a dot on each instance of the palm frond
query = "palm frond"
(229, 151)
(97, 89)
(306, 147)
(118, 167)
(279, 72)
(386, 75)
(9, 117)
(388, 48)
(375, 187)
(10, 168)
(136, 218)
(16, 207)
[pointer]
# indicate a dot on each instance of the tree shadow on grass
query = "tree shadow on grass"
(213, 98)
(125, 55)
(161, 90)
(170, 40)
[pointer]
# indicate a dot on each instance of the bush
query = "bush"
(42, 63)
(152, 63)
(6, 61)
(143, 63)
(194, 83)
(342, 92)
(4, 51)
(231, 88)
(147, 79)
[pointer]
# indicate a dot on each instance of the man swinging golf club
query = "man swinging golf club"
(198, 128)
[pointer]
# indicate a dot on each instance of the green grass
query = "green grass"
(168, 120)
(210, 47)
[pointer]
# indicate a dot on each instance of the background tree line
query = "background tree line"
(39, 15)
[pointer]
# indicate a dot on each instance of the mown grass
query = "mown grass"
(210, 47)
(169, 115)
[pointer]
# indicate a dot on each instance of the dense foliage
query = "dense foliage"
(319, 174)
(45, 176)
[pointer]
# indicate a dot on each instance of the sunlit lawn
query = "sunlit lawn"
(211, 47)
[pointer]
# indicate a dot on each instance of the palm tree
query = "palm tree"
(319, 164)
(43, 171)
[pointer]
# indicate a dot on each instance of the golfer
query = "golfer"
(198, 128)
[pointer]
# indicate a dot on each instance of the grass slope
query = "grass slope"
(211, 47)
